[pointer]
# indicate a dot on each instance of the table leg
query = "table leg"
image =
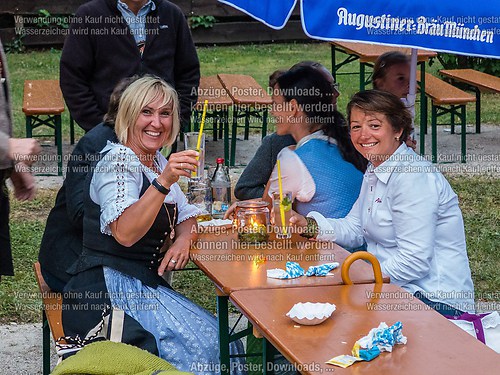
(422, 131)
(434, 132)
(463, 133)
(334, 66)
(223, 320)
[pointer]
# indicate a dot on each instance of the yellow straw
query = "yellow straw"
(205, 105)
(282, 209)
(198, 143)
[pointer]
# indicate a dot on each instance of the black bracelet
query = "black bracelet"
(162, 189)
(312, 228)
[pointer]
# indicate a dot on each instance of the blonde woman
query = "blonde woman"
(138, 224)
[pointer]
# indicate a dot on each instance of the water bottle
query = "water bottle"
(221, 190)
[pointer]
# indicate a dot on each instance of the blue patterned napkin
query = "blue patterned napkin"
(322, 269)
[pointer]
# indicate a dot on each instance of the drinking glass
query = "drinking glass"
(200, 195)
(190, 143)
(283, 229)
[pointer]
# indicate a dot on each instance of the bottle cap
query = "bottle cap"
(220, 160)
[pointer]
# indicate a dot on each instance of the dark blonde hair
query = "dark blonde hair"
(384, 62)
(137, 95)
(114, 99)
(378, 101)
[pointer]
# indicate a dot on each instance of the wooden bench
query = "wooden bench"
(51, 316)
(219, 102)
(43, 104)
(445, 99)
(478, 81)
(250, 100)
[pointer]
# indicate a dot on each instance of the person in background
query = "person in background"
(323, 171)
(255, 176)
(418, 238)
(113, 39)
(133, 208)
(16, 155)
(62, 239)
(391, 73)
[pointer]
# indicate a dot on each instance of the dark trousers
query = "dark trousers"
(440, 307)
(6, 266)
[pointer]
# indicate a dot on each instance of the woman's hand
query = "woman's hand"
(298, 221)
(176, 257)
(179, 164)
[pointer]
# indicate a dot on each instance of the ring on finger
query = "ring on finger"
(182, 165)
(173, 261)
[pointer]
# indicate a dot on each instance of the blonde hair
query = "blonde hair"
(139, 94)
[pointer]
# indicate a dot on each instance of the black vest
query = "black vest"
(140, 260)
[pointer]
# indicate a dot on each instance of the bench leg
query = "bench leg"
(264, 122)
(478, 110)
(233, 136)
(463, 133)
(247, 125)
(434, 132)
(452, 123)
(29, 129)
(225, 124)
(58, 135)
(45, 344)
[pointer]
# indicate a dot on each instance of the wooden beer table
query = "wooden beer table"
(435, 345)
(478, 81)
(234, 266)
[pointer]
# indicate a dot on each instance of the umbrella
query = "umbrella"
(451, 26)
(446, 26)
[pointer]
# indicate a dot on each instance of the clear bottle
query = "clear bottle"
(221, 190)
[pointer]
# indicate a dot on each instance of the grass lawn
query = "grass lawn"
(479, 197)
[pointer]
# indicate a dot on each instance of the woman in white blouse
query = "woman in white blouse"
(138, 224)
(406, 212)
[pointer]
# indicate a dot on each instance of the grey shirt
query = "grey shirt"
(5, 115)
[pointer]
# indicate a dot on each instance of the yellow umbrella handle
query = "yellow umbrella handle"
(377, 271)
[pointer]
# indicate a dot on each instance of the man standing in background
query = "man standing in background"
(15, 157)
(113, 39)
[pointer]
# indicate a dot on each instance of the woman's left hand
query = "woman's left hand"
(176, 257)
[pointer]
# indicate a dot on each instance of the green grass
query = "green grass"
(257, 60)
(479, 201)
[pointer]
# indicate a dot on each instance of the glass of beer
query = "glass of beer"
(282, 209)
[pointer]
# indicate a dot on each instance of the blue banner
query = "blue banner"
(455, 26)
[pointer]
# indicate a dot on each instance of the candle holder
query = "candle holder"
(252, 221)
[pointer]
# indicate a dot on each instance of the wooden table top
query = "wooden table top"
(42, 97)
(485, 82)
(244, 90)
(368, 53)
(435, 345)
(211, 89)
(232, 265)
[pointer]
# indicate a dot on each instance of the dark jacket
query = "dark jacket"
(100, 50)
(253, 180)
(63, 235)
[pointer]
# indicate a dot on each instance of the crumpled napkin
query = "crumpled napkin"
(293, 270)
(378, 340)
(322, 269)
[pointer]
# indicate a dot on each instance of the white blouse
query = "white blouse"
(117, 182)
(409, 216)
(294, 174)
